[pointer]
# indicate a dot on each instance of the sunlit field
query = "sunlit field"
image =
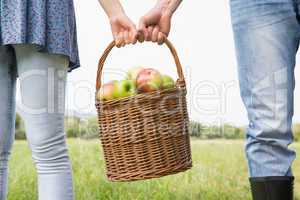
(219, 173)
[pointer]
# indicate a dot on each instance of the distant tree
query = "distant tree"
(19, 128)
(20, 134)
(76, 127)
(72, 126)
(92, 128)
(18, 121)
(225, 131)
(196, 129)
(296, 130)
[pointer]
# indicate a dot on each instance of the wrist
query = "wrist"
(165, 6)
(114, 12)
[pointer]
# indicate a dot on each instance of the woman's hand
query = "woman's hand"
(156, 24)
(123, 29)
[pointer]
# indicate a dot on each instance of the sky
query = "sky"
(201, 32)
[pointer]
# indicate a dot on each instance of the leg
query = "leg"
(266, 37)
(7, 114)
(42, 81)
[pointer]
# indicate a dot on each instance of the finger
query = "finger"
(142, 25)
(142, 29)
(149, 33)
(133, 36)
(165, 25)
(115, 36)
(126, 37)
(122, 40)
(133, 33)
(119, 39)
(146, 34)
(143, 34)
(155, 34)
(140, 36)
(161, 38)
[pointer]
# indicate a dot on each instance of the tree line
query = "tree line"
(76, 127)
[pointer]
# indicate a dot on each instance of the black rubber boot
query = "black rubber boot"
(272, 188)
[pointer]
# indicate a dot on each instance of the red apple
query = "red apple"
(106, 92)
(148, 80)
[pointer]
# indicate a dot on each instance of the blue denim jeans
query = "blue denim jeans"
(42, 81)
(266, 34)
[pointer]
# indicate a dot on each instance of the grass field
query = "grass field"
(219, 173)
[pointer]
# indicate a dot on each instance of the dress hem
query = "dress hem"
(42, 48)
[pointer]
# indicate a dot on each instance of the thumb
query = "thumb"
(142, 25)
(142, 29)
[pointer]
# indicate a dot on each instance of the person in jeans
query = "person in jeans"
(267, 34)
(38, 45)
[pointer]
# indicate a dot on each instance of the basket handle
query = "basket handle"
(180, 82)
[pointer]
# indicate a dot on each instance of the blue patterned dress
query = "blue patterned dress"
(47, 23)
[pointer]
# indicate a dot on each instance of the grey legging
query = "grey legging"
(42, 80)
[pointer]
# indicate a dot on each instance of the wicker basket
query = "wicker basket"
(145, 136)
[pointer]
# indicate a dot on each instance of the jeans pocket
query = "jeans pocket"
(253, 14)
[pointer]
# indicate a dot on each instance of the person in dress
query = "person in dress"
(38, 45)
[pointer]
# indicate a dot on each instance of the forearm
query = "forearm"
(168, 6)
(111, 7)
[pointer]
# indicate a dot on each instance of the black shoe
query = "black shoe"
(272, 188)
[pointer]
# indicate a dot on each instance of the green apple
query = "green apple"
(168, 82)
(148, 80)
(124, 88)
(133, 73)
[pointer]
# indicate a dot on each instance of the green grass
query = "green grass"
(219, 173)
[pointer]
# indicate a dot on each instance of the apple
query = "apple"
(133, 73)
(124, 88)
(168, 82)
(106, 91)
(148, 80)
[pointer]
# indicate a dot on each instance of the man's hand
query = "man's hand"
(155, 25)
(123, 29)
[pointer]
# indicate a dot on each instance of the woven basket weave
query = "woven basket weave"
(145, 136)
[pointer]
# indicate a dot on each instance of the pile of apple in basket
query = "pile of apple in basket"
(138, 80)
(143, 123)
